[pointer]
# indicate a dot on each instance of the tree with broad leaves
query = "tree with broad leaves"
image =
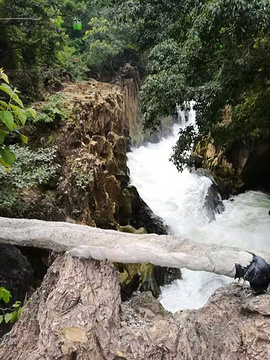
(214, 52)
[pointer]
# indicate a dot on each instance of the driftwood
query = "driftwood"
(88, 242)
(77, 314)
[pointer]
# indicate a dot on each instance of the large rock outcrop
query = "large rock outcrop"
(91, 184)
(77, 314)
(241, 166)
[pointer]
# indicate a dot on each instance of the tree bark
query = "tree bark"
(89, 242)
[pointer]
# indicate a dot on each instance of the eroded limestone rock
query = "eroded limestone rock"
(77, 313)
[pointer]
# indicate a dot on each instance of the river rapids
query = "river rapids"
(179, 199)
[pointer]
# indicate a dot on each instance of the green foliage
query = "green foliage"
(155, 21)
(220, 59)
(4, 295)
(12, 313)
(13, 116)
(28, 47)
(105, 40)
(8, 197)
(181, 151)
(71, 58)
(99, 45)
(32, 168)
(81, 173)
(52, 110)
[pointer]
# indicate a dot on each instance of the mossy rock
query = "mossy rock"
(136, 276)
(144, 277)
(130, 229)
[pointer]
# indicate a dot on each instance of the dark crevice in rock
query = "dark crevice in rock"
(15, 275)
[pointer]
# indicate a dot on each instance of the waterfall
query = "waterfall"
(178, 198)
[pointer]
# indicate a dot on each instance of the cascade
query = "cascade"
(179, 199)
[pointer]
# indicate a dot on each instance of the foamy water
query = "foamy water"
(179, 199)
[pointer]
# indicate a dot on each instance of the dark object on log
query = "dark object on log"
(239, 271)
(257, 273)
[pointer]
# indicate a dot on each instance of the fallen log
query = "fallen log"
(89, 242)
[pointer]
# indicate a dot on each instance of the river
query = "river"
(178, 198)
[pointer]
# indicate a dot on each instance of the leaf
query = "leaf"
(19, 312)
(24, 138)
(22, 115)
(4, 77)
(2, 138)
(3, 104)
(7, 89)
(7, 155)
(32, 112)
(8, 317)
(16, 98)
(14, 317)
(15, 108)
(4, 132)
(7, 119)
(6, 167)
(16, 304)
(1, 319)
(4, 295)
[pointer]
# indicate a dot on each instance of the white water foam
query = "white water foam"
(178, 198)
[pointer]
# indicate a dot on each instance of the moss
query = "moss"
(130, 229)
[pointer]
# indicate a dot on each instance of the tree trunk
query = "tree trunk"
(89, 242)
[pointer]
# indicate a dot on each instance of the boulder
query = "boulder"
(77, 314)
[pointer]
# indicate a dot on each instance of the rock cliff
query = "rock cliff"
(239, 166)
(91, 183)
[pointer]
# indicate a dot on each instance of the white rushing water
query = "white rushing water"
(178, 198)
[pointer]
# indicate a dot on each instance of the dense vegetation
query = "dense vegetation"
(38, 41)
(214, 52)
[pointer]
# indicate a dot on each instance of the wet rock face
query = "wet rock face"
(240, 168)
(145, 278)
(216, 192)
(256, 171)
(143, 216)
(213, 202)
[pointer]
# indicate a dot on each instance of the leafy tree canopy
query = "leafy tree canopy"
(38, 37)
(213, 52)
